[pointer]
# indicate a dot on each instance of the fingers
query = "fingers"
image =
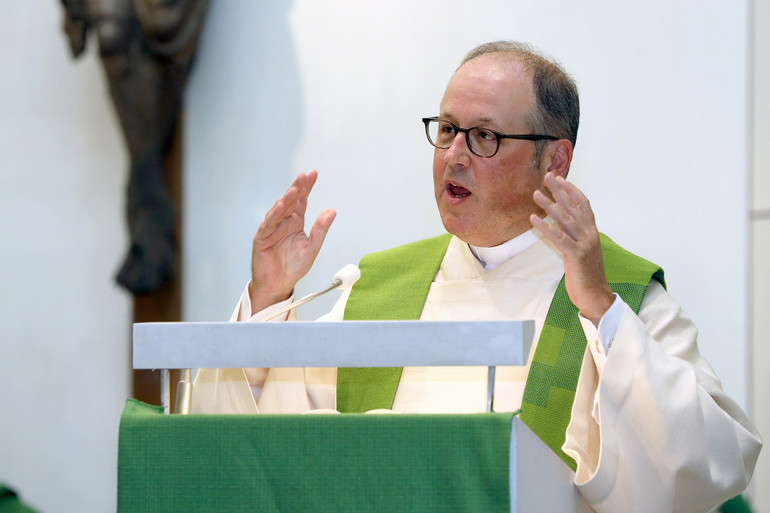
(539, 224)
(321, 228)
(294, 201)
(305, 184)
(575, 234)
(569, 209)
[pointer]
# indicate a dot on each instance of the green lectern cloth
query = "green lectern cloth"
(308, 463)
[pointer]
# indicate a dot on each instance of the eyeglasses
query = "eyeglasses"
(481, 141)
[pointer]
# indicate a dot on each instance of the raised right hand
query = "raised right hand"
(282, 252)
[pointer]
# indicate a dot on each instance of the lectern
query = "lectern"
(353, 462)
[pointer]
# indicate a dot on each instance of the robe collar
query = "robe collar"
(492, 257)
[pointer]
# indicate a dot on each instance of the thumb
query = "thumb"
(321, 228)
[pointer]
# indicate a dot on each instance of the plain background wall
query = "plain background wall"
(760, 215)
(64, 325)
(285, 87)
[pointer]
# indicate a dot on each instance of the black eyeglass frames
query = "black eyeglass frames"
(481, 141)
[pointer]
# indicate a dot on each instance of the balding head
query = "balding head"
(556, 109)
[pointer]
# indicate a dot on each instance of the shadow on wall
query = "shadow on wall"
(243, 124)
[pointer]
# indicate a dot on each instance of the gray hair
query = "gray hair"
(557, 107)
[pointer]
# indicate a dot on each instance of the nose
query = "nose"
(458, 152)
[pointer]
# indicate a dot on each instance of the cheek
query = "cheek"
(514, 190)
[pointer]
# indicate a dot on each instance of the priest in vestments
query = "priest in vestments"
(614, 383)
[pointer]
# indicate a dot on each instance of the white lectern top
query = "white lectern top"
(182, 345)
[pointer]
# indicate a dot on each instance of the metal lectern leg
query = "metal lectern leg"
(490, 388)
(183, 393)
(165, 391)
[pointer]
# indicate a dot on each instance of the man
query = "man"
(645, 424)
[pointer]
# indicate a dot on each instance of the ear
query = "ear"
(557, 157)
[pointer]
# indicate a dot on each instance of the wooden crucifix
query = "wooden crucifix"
(146, 48)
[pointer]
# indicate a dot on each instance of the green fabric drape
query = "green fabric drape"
(394, 285)
(312, 463)
(553, 376)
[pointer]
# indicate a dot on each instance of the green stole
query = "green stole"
(394, 285)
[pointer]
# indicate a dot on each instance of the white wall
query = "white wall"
(283, 89)
(760, 229)
(64, 326)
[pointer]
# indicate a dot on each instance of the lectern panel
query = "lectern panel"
(312, 463)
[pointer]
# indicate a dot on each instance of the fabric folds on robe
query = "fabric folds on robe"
(651, 429)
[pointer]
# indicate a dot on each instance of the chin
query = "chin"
(476, 237)
(467, 232)
(468, 236)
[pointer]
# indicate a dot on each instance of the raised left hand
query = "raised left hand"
(575, 234)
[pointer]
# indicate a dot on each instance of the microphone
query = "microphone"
(344, 279)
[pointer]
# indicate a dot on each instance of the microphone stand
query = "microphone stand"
(336, 283)
(343, 279)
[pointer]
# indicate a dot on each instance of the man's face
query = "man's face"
(487, 201)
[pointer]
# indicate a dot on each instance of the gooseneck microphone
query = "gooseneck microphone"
(344, 279)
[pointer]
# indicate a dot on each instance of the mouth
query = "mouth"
(457, 191)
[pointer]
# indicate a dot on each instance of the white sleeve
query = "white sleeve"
(600, 338)
(234, 390)
(242, 311)
(651, 428)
